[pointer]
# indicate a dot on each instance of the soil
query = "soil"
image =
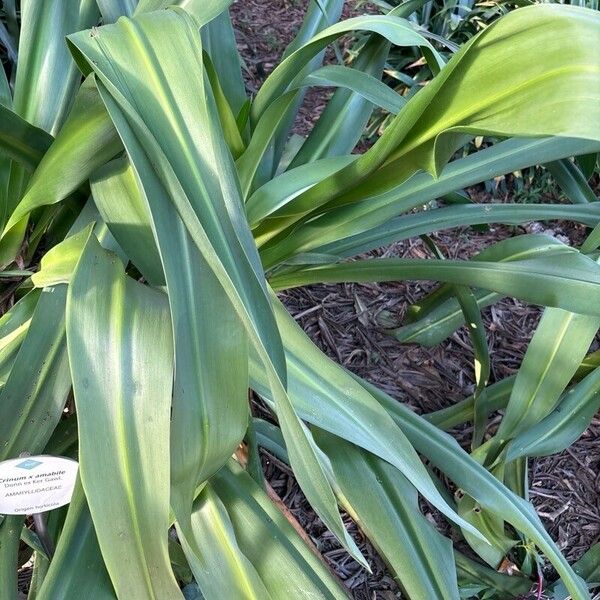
(343, 320)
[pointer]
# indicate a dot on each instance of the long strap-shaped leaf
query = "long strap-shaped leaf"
(564, 425)
(47, 77)
(218, 40)
(588, 567)
(222, 570)
(10, 529)
(209, 412)
(111, 10)
(118, 335)
(559, 344)
(210, 408)
(462, 215)
(398, 31)
(385, 506)
(446, 454)
(320, 406)
(280, 190)
(487, 88)
(438, 314)
(20, 140)
(86, 141)
(319, 15)
(203, 11)
(345, 116)
(45, 85)
(285, 564)
(173, 117)
(382, 198)
(363, 424)
(199, 180)
(35, 392)
(277, 113)
(14, 325)
(572, 181)
(77, 569)
(123, 208)
(569, 280)
(342, 123)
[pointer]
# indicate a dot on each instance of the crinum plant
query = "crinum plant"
(151, 211)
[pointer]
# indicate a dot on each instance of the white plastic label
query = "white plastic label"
(36, 484)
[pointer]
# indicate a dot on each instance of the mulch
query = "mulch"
(344, 321)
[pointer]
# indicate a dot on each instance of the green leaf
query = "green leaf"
(77, 568)
(285, 564)
(222, 570)
(111, 10)
(517, 100)
(588, 567)
(218, 404)
(200, 182)
(438, 219)
(385, 506)
(563, 426)
(111, 316)
(10, 529)
(274, 195)
(587, 164)
(276, 115)
(33, 398)
(495, 398)
(345, 116)
(85, 142)
(442, 451)
(319, 380)
(22, 141)
(14, 325)
(361, 83)
(229, 125)
(124, 210)
(445, 453)
(482, 363)
(269, 437)
(441, 321)
(397, 497)
(203, 11)
(503, 586)
(568, 280)
(47, 77)
(270, 123)
(46, 82)
(316, 19)
(559, 344)
(58, 264)
(491, 524)
(218, 40)
(383, 198)
(398, 31)
(436, 316)
(318, 16)
(572, 181)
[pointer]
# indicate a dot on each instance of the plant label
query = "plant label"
(36, 484)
